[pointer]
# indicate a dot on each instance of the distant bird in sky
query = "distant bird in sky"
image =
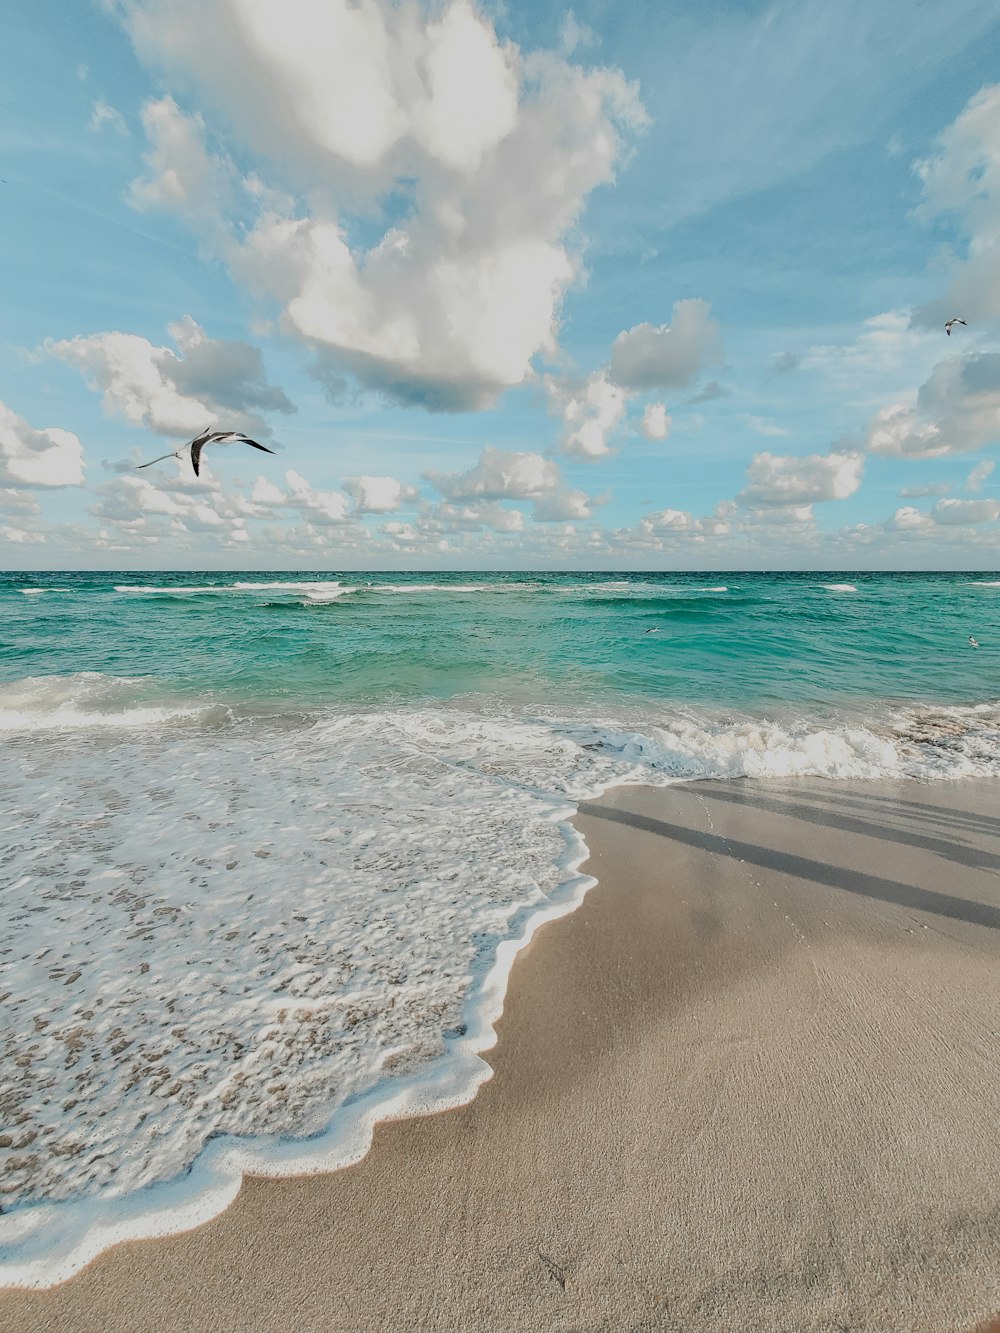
(208, 437)
(951, 324)
(974, 642)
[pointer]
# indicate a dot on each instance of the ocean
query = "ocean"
(272, 841)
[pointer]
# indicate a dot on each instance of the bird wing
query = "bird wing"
(196, 448)
(254, 445)
(175, 454)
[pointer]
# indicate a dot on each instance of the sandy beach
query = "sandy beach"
(752, 1083)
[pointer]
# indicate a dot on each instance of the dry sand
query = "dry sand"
(752, 1084)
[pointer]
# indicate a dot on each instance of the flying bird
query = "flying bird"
(974, 642)
(951, 323)
(208, 437)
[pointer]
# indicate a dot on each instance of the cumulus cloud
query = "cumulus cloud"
(486, 154)
(956, 410)
(499, 476)
(320, 507)
(378, 495)
(42, 458)
(182, 176)
(591, 410)
(667, 356)
(908, 519)
(962, 180)
(142, 509)
(789, 480)
(979, 475)
(966, 511)
(451, 518)
(206, 381)
(564, 506)
(655, 422)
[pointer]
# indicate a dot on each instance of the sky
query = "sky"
(514, 285)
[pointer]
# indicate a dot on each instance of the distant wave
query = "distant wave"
(985, 583)
(320, 590)
(839, 587)
(35, 592)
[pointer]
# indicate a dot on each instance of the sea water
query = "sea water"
(271, 842)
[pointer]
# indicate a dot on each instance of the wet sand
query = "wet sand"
(752, 1084)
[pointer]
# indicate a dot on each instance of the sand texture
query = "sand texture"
(752, 1084)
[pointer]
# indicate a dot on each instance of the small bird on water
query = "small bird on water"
(951, 324)
(974, 642)
(208, 437)
(654, 630)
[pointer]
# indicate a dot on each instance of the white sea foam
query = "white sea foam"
(839, 587)
(985, 583)
(93, 700)
(37, 592)
(237, 948)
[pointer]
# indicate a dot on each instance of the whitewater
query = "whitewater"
(264, 887)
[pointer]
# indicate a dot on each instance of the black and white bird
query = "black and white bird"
(973, 641)
(208, 437)
(951, 324)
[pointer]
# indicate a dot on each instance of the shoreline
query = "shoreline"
(648, 1149)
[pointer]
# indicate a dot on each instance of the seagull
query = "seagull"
(974, 642)
(951, 323)
(208, 437)
(654, 630)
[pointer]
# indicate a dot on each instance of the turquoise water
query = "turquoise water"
(270, 842)
(766, 639)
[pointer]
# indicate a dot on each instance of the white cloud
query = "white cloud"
(491, 151)
(265, 492)
(909, 519)
(979, 475)
(182, 177)
(957, 409)
(141, 508)
(43, 458)
(564, 506)
(966, 511)
(780, 480)
(103, 115)
(206, 381)
(18, 504)
(590, 410)
(963, 179)
(930, 488)
(655, 422)
(667, 356)
(499, 476)
(764, 426)
(378, 495)
(451, 518)
(322, 507)
(573, 34)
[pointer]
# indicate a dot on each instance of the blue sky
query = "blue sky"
(649, 286)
